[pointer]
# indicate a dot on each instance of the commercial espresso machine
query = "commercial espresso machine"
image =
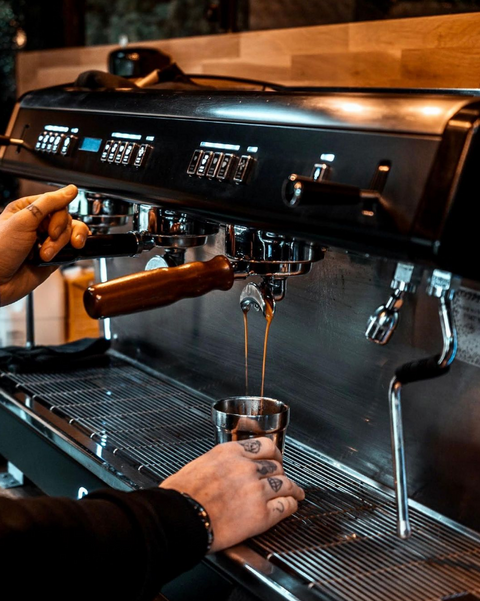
(351, 214)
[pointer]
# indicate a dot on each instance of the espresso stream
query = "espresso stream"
(269, 319)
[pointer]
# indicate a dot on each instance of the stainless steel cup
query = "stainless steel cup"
(243, 417)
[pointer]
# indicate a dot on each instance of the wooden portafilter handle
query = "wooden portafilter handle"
(157, 287)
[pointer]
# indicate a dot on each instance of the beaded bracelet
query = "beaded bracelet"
(204, 517)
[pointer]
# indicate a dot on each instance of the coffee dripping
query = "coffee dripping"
(248, 252)
(275, 258)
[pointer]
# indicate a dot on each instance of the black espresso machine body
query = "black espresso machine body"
(424, 142)
(381, 182)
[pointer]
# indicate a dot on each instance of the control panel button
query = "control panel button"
(106, 151)
(194, 161)
(320, 171)
(204, 163)
(214, 164)
(113, 152)
(225, 166)
(57, 143)
(120, 152)
(141, 155)
(129, 153)
(50, 140)
(68, 145)
(46, 138)
(242, 168)
(40, 139)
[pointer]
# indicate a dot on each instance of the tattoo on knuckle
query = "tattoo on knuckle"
(275, 484)
(251, 446)
(280, 507)
(36, 212)
(265, 467)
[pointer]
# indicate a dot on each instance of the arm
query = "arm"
(113, 545)
(20, 223)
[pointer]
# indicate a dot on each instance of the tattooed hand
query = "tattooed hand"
(242, 486)
(20, 223)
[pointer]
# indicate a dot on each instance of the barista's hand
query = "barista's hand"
(242, 486)
(20, 222)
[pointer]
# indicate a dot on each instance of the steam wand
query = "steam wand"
(442, 285)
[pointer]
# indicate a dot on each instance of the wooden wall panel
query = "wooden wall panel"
(442, 51)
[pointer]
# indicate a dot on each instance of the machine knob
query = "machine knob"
(158, 287)
(305, 191)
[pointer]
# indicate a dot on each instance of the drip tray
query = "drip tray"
(340, 544)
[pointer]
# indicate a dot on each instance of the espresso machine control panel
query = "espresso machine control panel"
(380, 173)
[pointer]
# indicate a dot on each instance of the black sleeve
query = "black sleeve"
(110, 545)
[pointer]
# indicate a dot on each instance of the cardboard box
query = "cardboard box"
(78, 324)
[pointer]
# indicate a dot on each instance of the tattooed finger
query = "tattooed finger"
(282, 484)
(280, 508)
(265, 467)
(275, 484)
(252, 446)
(36, 212)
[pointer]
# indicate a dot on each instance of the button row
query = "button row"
(55, 143)
(124, 153)
(219, 165)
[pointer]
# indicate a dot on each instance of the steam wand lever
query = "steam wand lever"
(442, 285)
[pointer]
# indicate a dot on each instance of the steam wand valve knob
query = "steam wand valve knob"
(382, 324)
(442, 285)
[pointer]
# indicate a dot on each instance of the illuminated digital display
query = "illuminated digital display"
(219, 146)
(91, 144)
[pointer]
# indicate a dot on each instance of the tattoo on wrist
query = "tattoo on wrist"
(280, 507)
(275, 483)
(252, 446)
(36, 212)
(266, 467)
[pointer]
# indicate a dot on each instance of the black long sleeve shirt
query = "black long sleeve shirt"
(110, 545)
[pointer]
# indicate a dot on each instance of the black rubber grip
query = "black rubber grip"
(424, 369)
(100, 245)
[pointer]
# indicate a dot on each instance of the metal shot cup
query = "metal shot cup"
(243, 417)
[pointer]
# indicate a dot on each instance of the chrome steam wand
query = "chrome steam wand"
(384, 321)
(442, 285)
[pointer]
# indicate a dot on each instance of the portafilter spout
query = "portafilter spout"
(260, 297)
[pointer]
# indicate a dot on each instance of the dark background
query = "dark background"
(31, 25)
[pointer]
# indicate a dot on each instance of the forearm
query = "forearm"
(114, 545)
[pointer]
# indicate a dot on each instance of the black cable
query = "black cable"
(264, 84)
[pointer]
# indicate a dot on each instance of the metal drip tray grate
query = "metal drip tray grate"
(341, 543)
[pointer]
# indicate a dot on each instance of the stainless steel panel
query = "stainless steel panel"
(334, 379)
